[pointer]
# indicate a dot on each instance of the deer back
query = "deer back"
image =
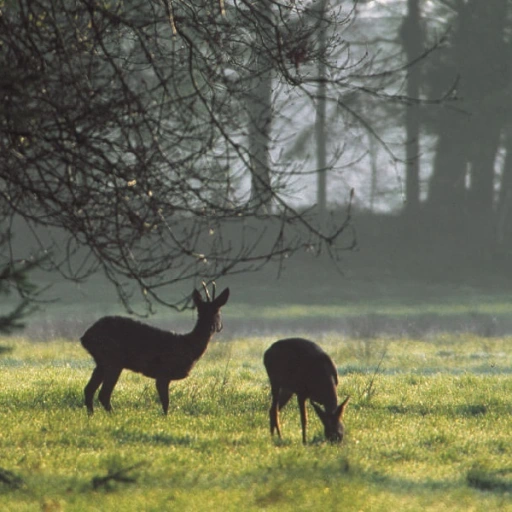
(124, 342)
(302, 367)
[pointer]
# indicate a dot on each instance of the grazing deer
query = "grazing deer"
(117, 343)
(301, 367)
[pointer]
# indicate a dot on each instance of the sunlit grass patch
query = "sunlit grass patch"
(433, 433)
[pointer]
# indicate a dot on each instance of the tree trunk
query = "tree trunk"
(447, 193)
(504, 209)
(320, 123)
(259, 110)
(486, 137)
(259, 107)
(412, 42)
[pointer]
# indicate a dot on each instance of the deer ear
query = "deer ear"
(196, 297)
(222, 298)
(341, 408)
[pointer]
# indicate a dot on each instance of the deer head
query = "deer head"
(209, 309)
(331, 420)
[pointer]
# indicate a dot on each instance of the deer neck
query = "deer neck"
(331, 401)
(325, 394)
(199, 337)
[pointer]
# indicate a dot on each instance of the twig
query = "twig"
(369, 387)
(119, 475)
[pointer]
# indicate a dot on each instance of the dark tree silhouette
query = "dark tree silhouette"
(413, 47)
(476, 58)
(14, 281)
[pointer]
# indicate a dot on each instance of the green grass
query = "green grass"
(428, 428)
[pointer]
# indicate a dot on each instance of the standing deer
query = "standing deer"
(117, 343)
(301, 367)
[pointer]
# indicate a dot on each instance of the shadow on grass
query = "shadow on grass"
(136, 437)
(10, 479)
(275, 482)
(464, 411)
(493, 480)
(5, 350)
(478, 477)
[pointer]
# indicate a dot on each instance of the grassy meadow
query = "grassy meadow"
(429, 428)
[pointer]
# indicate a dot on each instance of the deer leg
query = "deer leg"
(274, 413)
(303, 416)
(162, 386)
(284, 397)
(109, 381)
(93, 384)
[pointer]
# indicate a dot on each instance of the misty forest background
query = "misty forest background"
(340, 165)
